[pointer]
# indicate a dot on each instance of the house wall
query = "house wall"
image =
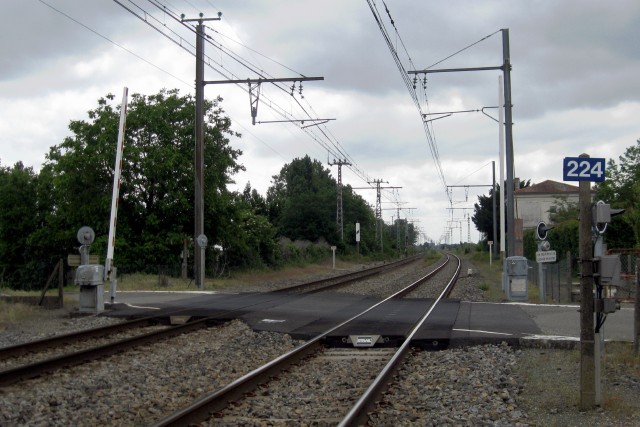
(533, 208)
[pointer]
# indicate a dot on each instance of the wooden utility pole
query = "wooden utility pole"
(587, 335)
(198, 260)
(200, 240)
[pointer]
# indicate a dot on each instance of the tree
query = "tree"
(483, 211)
(356, 209)
(563, 210)
(18, 219)
(156, 193)
(621, 189)
(483, 214)
(247, 236)
(302, 201)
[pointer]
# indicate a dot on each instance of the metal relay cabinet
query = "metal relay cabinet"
(516, 270)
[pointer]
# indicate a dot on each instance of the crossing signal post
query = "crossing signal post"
(606, 272)
(596, 269)
(543, 256)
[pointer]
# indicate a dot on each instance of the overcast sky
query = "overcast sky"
(575, 85)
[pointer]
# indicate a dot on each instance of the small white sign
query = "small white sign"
(546, 256)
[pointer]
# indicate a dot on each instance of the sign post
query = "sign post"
(333, 251)
(490, 242)
(585, 170)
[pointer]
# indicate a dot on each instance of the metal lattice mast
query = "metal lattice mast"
(378, 212)
(339, 212)
(378, 206)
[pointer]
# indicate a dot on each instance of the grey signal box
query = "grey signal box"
(516, 271)
(609, 269)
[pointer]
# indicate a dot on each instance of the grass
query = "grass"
(140, 282)
(491, 274)
(14, 312)
(552, 387)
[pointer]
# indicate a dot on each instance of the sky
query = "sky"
(575, 86)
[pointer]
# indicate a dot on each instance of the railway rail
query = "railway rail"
(214, 404)
(13, 370)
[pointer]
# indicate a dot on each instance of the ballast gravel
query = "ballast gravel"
(142, 385)
(481, 385)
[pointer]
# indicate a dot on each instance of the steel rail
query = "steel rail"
(59, 340)
(32, 370)
(358, 414)
(347, 278)
(215, 401)
(13, 375)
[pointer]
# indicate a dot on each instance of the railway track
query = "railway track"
(237, 402)
(470, 386)
(35, 358)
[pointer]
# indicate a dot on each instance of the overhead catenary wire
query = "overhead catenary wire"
(329, 143)
(188, 84)
(319, 134)
(112, 42)
(322, 136)
(409, 83)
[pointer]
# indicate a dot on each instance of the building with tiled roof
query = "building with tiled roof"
(534, 203)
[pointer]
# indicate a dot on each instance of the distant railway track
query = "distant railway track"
(232, 403)
(65, 350)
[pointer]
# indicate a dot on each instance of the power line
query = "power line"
(319, 134)
(237, 123)
(411, 87)
(113, 42)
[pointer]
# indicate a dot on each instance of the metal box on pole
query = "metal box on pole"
(90, 277)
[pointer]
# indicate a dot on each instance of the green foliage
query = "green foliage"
(621, 189)
(155, 211)
(303, 203)
(563, 210)
(563, 238)
(357, 210)
(40, 213)
(301, 251)
(18, 219)
(483, 214)
(248, 238)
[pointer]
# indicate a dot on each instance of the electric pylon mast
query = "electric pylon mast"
(339, 212)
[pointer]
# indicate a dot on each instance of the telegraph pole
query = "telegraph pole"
(198, 260)
(339, 219)
(200, 239)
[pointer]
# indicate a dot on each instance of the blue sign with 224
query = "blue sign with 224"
(583, 169)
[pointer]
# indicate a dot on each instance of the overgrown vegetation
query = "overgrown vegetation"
(620, 189)
(41, 211)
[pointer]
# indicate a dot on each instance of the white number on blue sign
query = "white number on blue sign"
(583, 169)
